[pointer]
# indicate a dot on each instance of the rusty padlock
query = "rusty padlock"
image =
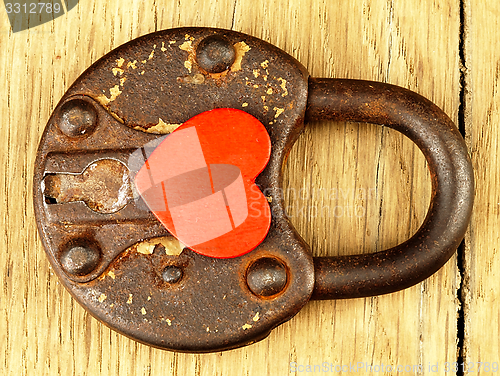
(121, 264)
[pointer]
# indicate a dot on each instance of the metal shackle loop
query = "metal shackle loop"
(452, 187)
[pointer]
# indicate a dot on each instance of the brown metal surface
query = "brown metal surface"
(117, 260)
(452, 187)
(124, 267)
(104, 186)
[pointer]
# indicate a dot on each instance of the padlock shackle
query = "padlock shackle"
(452, 187)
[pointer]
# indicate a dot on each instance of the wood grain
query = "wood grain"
(410, 43)
(481, 261)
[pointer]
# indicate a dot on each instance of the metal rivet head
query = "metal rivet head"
(172, 274)
(80, 260)
(266, 277)
(215, 54)
(77, 118)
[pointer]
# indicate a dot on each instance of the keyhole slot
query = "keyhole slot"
(104, 186)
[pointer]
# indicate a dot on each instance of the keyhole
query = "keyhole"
(104, 186)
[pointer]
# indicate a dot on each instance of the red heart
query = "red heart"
(200, 183)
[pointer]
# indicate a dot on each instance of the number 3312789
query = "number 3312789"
(33, 8)
(472, 367)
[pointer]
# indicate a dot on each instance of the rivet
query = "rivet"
(215, 54)
(80, 260)
(172, 274)
(266, 277)
(77, 118)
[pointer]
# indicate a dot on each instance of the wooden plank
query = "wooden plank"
(43, 331)
(416, 326)
(482, 115)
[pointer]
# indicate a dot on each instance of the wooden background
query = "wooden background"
(445, 50)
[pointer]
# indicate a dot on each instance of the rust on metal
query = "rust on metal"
(215, 54)
(117, 260)
(267, 277)
(452, 187)
(124, 267)
(104, 186)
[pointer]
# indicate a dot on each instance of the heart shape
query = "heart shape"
(200, 183)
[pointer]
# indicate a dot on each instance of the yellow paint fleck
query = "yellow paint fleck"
(246, 326)
(266, 108)
(256, 317)
(114, 92)
(151, 54)
(185, 80)
(102, 99)
(172, 42)
(256, 73)
(208, 329)
(265, 78)
(279, 111)
(143, 61)
(172, 246)
(245, 104)
(160, 128)
(163, 49)
(122, 80)
(198, 79)
(102, 298)
(256, 86)
(187, 46)
(112, 305)
(269, 198)
(149, 298)
(270, 90)
(120, 62)
(169, 322)
(116, 116)
(283, 86)
(241, 48)
(145, 248)
(264, 64)
(130, 297)
(188, 65)
(132, 65)
(263, 97)
(111, 274)
(143, 310)
(117, 70)
(142, 72)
